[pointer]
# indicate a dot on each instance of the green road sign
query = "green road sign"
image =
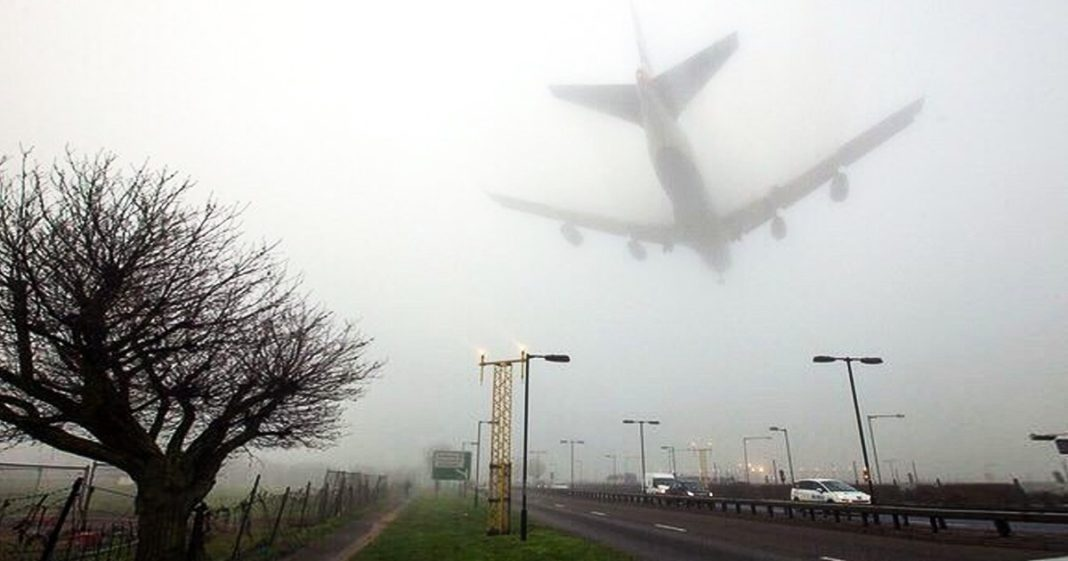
(451, 465)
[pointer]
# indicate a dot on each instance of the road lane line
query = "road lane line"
(672, 528)
(825, 558)
(558, 505)
(597, 513)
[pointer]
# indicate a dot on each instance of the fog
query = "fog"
(365, 136)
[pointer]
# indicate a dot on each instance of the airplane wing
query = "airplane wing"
(652, 233)
(618, 100)
(682, 82)
(765, 208)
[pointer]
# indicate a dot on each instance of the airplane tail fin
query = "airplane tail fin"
(639, 38)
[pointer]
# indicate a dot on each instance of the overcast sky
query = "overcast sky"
(364, 136)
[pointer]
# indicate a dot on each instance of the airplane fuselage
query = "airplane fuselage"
(673, 159)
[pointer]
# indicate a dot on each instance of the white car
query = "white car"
(659, 483)
(827, 491)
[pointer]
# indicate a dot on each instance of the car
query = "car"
(827, 491)
(693, 488)
(658, 483)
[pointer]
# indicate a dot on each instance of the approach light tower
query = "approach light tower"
(500, 480)
(500, 461)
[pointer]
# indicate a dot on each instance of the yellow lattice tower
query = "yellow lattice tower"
(500, 474)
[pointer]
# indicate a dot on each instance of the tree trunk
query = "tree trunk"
(163, 522)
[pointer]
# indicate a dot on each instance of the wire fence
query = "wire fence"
(266, 523)
(73, 513)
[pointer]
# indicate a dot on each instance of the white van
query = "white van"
(659, 483)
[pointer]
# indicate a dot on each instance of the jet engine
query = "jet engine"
(571, 234)
(637, 250)
(778, 228)
(839, 187)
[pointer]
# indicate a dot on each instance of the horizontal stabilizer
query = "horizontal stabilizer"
(618, 100)
(682, 82)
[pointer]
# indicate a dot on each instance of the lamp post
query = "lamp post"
(572, 443)
(526, 429)
(874, 450)
(466, 482)
(671, 450)
(478, 455)
(856, 407)
(641, 435)
(789, 457)
(745, 452)
(615, 466)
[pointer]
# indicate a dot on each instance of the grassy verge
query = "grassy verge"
(448, 529)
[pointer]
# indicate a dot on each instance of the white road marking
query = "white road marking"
(558, 505)
(672, 528)
(825, 558)
(598, 513)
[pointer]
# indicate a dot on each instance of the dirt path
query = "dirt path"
(350, 538)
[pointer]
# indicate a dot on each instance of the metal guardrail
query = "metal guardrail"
(868, 514)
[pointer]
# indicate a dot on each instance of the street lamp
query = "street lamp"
(478, 455)
(526, 429)
(671, 450)
(615, 466)
(874, 450)
(789, 458)
(641, 435)
(745, 452)
(856, 407)
(466, 481)
(572, 443)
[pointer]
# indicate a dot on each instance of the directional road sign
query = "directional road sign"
(451, 465)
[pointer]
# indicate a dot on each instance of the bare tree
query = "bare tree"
(138, 330)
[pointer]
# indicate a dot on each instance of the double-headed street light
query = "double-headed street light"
(874, 450)
(572, 443)
(745, 452)
(856, 407)
(526, 428)
(671, 450)
(641, 435)
(478, 454)
(789, 458)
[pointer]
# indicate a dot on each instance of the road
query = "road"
(668, 534)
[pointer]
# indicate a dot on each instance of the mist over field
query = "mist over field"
(365, 137)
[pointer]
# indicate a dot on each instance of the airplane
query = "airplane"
(654, 102)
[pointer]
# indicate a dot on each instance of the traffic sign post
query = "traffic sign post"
(450, 465)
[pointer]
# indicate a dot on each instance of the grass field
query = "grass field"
(451, 529)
